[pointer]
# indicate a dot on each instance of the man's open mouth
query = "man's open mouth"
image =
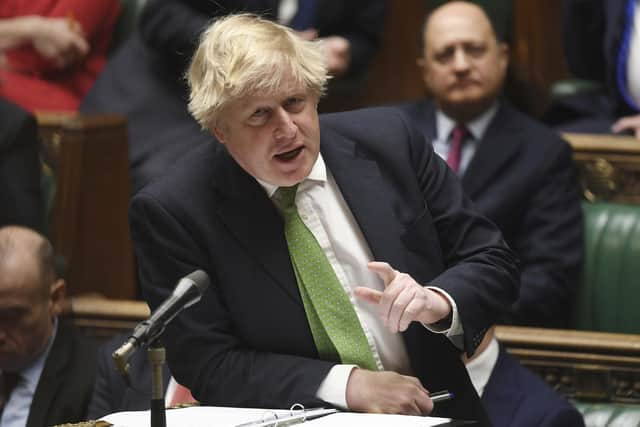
(289, 155)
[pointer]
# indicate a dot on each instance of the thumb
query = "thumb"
(384, 270)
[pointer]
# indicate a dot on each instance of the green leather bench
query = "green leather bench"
(609, 296)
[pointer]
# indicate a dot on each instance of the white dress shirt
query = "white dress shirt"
(481, 367)
(477, 127)
(16, 410)
(324, 211)
(633, 63)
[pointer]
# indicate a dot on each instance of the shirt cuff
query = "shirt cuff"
(455, 329)
(333, 388)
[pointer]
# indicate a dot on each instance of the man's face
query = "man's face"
(26, 314)
(463, 65)
(275, 138)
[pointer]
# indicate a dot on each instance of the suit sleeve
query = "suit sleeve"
(550, 244)
(203, 350)
(481, 272)
(172, 27)
(362, 24)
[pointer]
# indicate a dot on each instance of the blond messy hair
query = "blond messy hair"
(244, 54)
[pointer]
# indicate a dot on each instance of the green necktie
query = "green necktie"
(334, 324)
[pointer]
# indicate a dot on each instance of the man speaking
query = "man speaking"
(347, 267)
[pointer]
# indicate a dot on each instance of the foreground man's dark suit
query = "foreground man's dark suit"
(66, 382)
(248, 342)
(522, 177)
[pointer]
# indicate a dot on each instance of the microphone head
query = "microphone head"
(200, 279)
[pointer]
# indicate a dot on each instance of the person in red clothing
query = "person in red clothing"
(51, 51)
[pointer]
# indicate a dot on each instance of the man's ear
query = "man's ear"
(219, 134)
(56, 297)
(504, 54)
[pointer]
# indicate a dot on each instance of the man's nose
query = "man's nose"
(460, 61)
(286, 128)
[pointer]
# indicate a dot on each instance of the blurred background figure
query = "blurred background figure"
(47, 369)
(21, 200)
(602, 46)
(521, 176)
(51, 51)
(144, 80)
(519, 173)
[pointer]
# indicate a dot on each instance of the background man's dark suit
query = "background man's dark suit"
(111, 392)
(522, 177)
(593, 31)
(66, 382)
(144, 79)
(248, 341)
(20, 195)
(514, 396)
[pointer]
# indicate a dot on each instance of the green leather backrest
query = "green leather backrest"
(609, 414)
(610, 290)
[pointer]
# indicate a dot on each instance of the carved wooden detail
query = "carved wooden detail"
(609, 167)
(598, 366)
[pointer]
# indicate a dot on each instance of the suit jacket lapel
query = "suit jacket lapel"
(252, 218)
(498, 146)
(51, 378)
(363, 187)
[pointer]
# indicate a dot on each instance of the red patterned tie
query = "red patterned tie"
(458, 136)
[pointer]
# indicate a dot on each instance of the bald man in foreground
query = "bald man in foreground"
(46, 369)
(521, 176)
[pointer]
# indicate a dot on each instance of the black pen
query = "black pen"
(439, 396)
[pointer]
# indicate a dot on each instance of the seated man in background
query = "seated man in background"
(21, 201)
(144, 79)
(602, 44)
(114, 393)
(51, 51)
(46, 369)
(287, 214)
(519, 174)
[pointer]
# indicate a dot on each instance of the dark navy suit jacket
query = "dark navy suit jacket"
(248, 342)
(593, 32)
(112, 393)
(522, 177)
(20, 194)
(144, 79)
(66, 382)
(516, 397)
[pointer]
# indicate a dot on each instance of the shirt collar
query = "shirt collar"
(31, 374)
(481, 367)
(318, 173)
(477, 127)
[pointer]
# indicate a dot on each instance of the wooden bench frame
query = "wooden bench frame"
(582, 365)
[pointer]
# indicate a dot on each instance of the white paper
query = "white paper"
(215, 416)
(352, 419)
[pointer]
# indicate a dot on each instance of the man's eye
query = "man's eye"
(475, 50)
(259, 117)
(444, 56)
(294, 104)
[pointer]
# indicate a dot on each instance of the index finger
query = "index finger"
(384, 270)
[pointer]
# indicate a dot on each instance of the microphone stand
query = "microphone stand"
(156, 355)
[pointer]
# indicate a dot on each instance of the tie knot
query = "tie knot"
(459, 133)
(286, 197)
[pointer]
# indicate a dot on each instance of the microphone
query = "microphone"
(187, 292)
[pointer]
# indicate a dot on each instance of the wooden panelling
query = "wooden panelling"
(90, 227)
